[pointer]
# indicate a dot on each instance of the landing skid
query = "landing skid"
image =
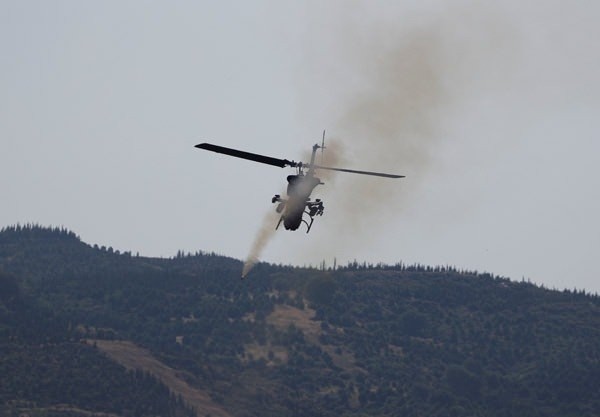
(314, 208)
(308, 225)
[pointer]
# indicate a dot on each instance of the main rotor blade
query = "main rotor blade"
(247, 155)
(353, 171)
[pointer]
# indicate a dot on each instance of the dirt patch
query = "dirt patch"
(66, 409)
(135, 357)
(283, 315)
(273, 355)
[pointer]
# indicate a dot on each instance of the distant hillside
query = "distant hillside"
(87, 330)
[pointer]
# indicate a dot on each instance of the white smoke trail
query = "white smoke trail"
(263, 237)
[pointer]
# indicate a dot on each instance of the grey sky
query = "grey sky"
(102, 103)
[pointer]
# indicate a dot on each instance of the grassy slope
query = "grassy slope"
(375, 341)
(135, 357)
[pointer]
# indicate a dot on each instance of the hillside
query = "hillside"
(85, 330)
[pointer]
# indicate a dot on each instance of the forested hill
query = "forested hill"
(88, 330)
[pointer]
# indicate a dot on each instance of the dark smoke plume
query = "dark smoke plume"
(399, 82)
(390, 125)
(391, 87)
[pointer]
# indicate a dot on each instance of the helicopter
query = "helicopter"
(300, 186)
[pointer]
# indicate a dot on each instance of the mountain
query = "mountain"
(86, 330)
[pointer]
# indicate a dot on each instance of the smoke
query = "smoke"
(392, 124)
(391, 87)
(395, 86)
(263, 237)
(389, 124)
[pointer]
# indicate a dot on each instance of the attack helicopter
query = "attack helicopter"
(300, 186)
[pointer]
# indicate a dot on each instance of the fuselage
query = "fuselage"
(298, 190)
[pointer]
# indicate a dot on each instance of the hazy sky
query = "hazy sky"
(492, 112)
